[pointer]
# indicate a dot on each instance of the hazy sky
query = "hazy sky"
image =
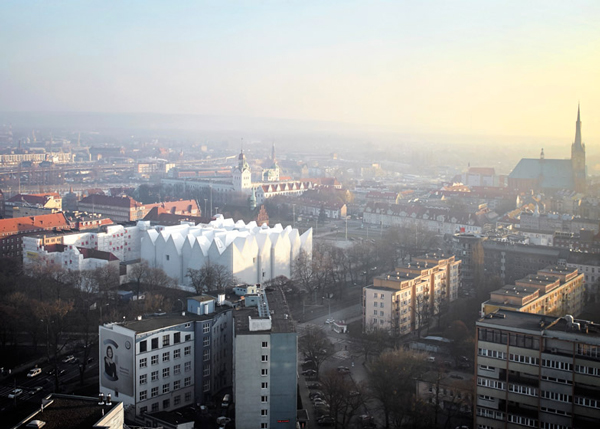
(491, 67)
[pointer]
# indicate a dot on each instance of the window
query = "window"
(155, 407)
(166, 356)
(187, 381)
(206, 327)
(206, 386)
(374, 304)
(206, 354)
(565, 366)
(265, 358)
(188, 337)
(154, 360)
(177, 369)
(176, 337)
(166, 388)
(263, 398)
(381, 305)
(143, 378)
(176, 354)
(177, 384)
(167, 256)
(265, 344)
(493, 384)
(166, 403)
(206, 370)
(187, 351)
(143, 395)
(382, 296)
(166, 339)
(143, 346)
(381, 313)
(188, 396)
(264, 426)
(206, 341)
(374, 294)
(154, 375)
(154, 343)
(154, 392)
(264, 412)
(143, 362)
(374, 312)
(166, 372)
(143, 410)
(555, 396)
(492, 353)
(188, 366)
(264, 385)
(264, 372)
(177, 400)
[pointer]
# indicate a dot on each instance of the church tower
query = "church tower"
(578, 157)
(242, 176)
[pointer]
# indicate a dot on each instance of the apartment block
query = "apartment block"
(265, 363)
(537, 371)
(406, 299)
(555, 290)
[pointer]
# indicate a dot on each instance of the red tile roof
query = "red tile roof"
(31, 223)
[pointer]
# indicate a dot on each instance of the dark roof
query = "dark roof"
(155, 322)
(553, 173)
(75, 412)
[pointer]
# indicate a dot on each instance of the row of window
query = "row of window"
(166, 372)
(555, 411)
(492, 353)
(524, 421)
(490, 414)
(587, 370)
(166, 388)
(554, 364)
(587, 402)
(524, 359)
(556, 380)
(587, 350)
(523, 390)
(493, 384)
(167, 403)
(546, 425)
(166, 356)
(166, 341)
(502, 337)
(555, 396)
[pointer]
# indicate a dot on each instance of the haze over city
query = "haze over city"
(506, 68)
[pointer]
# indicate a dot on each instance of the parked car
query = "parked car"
(309, 372)
(326, 421)
(316, 394)
(34, 372)
(222, 421)
(226, 400)
(15, 393)
(320, 403)
(61, 372)
(35, 390)
(69, 359)
(343, 369)
(430, 359)
(314, 386)
(329, 321)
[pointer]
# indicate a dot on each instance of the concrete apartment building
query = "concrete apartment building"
(537, 371)
(555, 290)
(406, 299)
(587, 264)
(265, 362)
(167, 361)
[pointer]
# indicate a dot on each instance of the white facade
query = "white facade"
(254, 254)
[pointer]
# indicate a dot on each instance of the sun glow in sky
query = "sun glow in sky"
(468, 67)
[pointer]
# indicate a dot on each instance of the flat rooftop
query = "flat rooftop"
(74, 412)
(154, 322)
(281, 318)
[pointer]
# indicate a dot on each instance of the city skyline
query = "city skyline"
(503, 68)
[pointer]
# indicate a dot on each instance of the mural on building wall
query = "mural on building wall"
(116, 367)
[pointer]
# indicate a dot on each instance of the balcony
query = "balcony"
(525, 381)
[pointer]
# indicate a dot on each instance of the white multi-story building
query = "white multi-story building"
(167, 361)
(265, 364)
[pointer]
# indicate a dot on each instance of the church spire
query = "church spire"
(577, 143)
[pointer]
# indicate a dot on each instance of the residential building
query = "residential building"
(406, 299)
(556, 290)
(537, 371)
(588, 264)
(167, 361)
(265, 364)
(451, 391)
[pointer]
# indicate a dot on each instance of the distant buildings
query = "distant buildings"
(553, 174)
(537, 371)
(32, 204)
(406, 300)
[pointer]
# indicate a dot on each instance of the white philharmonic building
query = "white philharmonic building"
(254, 254)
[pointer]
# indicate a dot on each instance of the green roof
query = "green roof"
(553, 173)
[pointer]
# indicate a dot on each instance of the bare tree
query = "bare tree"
(211, 277)
(315, 345)
(303, 273)
(345, 398)
(54, 317)
(138, 274)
